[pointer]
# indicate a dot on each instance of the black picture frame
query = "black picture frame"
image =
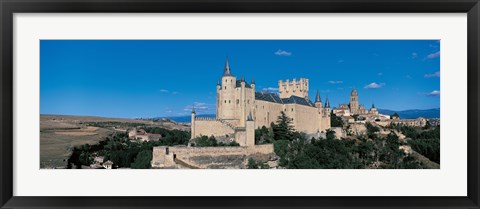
(9, 7)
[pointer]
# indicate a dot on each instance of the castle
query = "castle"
(241, 109)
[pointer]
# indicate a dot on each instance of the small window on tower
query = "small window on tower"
(229, 101)
(225, 101)
(238, 101)
(292, 109)
(225, 87)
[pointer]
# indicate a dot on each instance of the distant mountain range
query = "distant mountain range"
(404, 114)
(187, 118)
(408, 114)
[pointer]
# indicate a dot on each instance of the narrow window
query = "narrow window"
(225, 87)
(292, 109)
(225, 101)
(238, 101)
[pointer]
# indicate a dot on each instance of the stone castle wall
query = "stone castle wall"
(266, 113)
(307, 119)
(193, 155)
(211, 126)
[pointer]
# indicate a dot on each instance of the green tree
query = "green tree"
(330, 134)
(283, 129)
(335, 121)
(142, 160)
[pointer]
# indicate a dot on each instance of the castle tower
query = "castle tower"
(242, 102)
(318, 100)
(219, 87)
(293, 88)
(327, 107)
(192, 127)
(354, 101)
(250, 129)
(226, 95)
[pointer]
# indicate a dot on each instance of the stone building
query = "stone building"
(241, 109)
(142, 135)
(354, 108)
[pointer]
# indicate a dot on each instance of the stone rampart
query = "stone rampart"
(211, 126)
(210, 157)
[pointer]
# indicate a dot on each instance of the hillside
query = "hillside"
(60, 133)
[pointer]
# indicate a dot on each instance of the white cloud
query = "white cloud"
(270, 89)
(283, 53)
(167, 91)
(374, 85)
(431, 75)
(434, 93)
(433, 55)
(200, 107)
(335, 82)
(341, 61)
(379, 74)
(414, 55)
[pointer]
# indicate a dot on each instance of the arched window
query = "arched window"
(225, 87)
(238, 101)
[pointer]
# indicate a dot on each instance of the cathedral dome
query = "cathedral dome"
(354, 92)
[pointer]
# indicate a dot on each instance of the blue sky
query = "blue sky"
(151, 78)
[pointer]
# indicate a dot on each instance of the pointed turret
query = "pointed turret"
(193, 109)
(373, 105)
(243, 78)
(327, 103)
(226, 69)
(253, 80)
(218, 82)
(317, 98)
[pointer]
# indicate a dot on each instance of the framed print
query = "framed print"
(161, 104)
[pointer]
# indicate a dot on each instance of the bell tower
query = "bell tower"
(354, 101)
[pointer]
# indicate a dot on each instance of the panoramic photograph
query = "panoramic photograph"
(240, 104)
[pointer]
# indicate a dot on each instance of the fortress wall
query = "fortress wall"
(190, 155)
(307, 119)
(266, 113)
(211, 127)
(241, 137)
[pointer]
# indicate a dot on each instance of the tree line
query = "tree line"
(124, 152)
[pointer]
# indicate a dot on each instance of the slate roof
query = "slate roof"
(269, 97)
(297, 100)
(226, 69)
(239, 84)
(273, 97)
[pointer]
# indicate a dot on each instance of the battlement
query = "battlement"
(294, 87)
